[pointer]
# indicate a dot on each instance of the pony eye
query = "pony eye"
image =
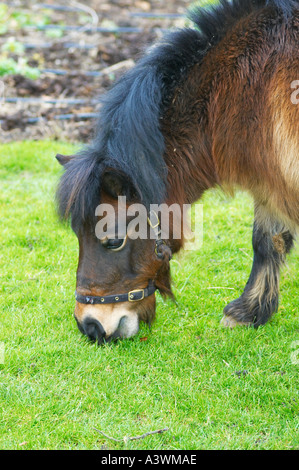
(114, 244)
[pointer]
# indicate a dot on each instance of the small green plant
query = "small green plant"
(54, 33)
(17, 64)
(16, 19)
(13, 46)
(20, 19)
(9, 66)
(3, 18)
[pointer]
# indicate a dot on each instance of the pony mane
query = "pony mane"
(128, 137)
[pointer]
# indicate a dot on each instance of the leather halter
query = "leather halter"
(133, 295)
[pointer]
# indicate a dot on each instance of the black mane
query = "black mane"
(128, 136)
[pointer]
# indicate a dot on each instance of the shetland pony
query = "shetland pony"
(209, 106)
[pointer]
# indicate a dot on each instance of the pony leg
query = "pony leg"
(271, 242)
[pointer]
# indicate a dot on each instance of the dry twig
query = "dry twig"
(133, 438)
(124, 64)
(90, 11)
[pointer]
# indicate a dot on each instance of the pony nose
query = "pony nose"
(94, 330)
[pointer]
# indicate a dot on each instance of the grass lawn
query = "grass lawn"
(212, 387)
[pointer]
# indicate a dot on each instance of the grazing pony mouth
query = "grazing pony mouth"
(107, 318)
(106, 323)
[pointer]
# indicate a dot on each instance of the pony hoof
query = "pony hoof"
(230, 322)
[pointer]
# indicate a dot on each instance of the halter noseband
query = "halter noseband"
(133, 295)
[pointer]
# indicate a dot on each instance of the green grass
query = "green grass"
(212, 387)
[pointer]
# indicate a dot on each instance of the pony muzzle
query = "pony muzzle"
(106, 322)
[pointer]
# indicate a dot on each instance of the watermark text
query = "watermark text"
(2, 352)
(295, 94)
(173, 222)
(295, 353)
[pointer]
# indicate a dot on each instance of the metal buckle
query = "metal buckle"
(131, 293)
(159, 243)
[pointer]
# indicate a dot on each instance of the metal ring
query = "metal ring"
(122, 245)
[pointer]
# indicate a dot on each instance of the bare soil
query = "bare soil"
(78, 54)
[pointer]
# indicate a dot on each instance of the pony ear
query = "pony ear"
(63, 159)
(115, 183)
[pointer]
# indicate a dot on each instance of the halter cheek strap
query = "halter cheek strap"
(132, 296)
(154, 222)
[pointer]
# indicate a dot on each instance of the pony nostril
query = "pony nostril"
(122, 322)
(127, 327)
(94, 330)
